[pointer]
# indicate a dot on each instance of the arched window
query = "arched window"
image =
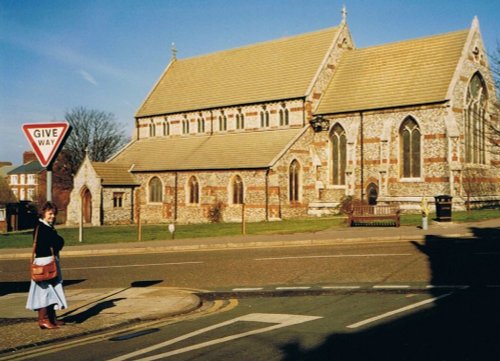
(201, 125)
(410, 135)
(264, 118)
(237, 190)
(166, 127)
(155, 190)
(194, 190)
(152, 128)
(294, 181)
(284, 115)
(240, 120)
(222, 122)
(339, 154)
(185, 126)
(475, 113)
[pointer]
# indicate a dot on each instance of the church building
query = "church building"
(292, 127)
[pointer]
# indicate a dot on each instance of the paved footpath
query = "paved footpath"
(94, 310)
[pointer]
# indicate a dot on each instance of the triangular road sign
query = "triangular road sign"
(46, 139)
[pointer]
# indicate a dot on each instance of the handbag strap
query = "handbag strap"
(35, 238)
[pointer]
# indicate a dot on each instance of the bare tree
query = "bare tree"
(95, 132)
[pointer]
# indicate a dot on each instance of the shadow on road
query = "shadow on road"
(24, 286)
(462, 326)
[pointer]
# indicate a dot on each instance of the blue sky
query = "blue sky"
(56, 55)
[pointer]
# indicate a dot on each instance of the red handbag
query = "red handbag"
(46, 272)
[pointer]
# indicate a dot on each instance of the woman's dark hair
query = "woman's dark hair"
(49, 206)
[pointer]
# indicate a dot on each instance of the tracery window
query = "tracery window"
(194, 190)
(155, 190)
(410, 137)
(475, 122)
(294, 181)
(339, 154)
(237, 190)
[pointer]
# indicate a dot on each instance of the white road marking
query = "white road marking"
(131, 265)
(293, 288)
(391, 286)
(394, 312)
(279, 321)
(334, 256)
(461, 287)
(248, 289)
(341, 287)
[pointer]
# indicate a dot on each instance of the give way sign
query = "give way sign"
(46, 139)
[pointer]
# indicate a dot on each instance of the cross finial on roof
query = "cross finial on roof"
(174, 52)
(344, 14)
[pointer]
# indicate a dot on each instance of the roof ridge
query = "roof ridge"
(417, 39)
(260, 43)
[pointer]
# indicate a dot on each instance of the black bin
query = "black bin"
(443, 208)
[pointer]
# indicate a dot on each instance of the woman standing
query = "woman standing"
(47, 296)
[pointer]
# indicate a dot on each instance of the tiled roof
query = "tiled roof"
(32, 167)
(273, 70)
(404, 73)
(221, 151)
(113, 174)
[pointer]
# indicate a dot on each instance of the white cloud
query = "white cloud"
(88, 77)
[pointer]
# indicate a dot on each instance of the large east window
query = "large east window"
(475, 123)
(410, 137)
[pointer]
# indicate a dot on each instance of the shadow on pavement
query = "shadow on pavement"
(462, 326)
(92, 311)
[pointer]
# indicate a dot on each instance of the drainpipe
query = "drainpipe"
(267, 194)
(211, 122)
(175, 195)
(362, 158)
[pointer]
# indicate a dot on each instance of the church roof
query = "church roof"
(250, 150)
(273, 70)
(410, 72)
(113, 174)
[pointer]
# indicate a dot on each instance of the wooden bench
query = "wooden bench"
(372, 214)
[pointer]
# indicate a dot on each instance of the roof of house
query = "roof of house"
(409, 72)
(273, 70)
(32, 167)
(249, 150)
(5, 169)
(113, 174)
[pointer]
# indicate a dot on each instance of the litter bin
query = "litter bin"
(443, 208)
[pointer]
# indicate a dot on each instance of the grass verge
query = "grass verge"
(119, 234)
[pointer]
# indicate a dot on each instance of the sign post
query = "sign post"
(46, 140)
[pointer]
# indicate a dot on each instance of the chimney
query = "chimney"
(28, 156)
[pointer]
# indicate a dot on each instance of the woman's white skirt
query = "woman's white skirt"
(46, 293)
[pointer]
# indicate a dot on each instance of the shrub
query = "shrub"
(215, 212)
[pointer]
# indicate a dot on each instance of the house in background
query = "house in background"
(6, 197)
(293, 127)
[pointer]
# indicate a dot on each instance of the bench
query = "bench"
(372, 214)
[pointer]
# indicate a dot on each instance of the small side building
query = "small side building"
(102, 194)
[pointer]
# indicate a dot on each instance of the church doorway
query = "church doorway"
(87, 206)
(372, 192)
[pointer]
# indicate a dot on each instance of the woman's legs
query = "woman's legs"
(52, 316)
(43, 319)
